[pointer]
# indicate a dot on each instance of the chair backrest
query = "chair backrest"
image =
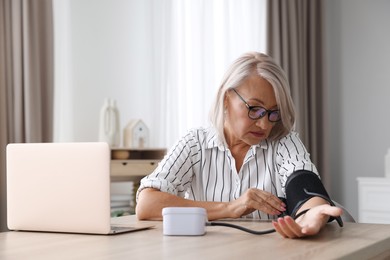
(346, 216)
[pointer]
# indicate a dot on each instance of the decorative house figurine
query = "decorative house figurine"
(136, 134)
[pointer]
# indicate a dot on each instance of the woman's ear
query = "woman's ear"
(225, 104)
(226, 101)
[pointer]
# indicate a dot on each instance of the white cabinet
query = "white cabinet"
(374, 200)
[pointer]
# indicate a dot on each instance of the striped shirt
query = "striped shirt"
(200, 167)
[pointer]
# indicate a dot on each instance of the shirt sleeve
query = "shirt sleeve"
(174, 173)
(292, 156)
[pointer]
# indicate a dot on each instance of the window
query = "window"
(161, 60)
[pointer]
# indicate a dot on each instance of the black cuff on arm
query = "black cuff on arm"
(300, 187)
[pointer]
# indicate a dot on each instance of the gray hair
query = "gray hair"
(265, 67)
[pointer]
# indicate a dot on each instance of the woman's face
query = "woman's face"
(238, 127)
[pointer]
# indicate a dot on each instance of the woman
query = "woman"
(250, 163)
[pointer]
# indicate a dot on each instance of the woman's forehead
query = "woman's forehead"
(258, 89)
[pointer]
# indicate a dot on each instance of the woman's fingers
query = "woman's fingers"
(331, 211)
(287, 227)
(271, 203)
(256, 199)
(265, 201)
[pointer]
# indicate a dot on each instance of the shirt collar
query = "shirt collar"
(213, 140)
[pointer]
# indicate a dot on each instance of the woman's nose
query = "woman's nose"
(263, 122)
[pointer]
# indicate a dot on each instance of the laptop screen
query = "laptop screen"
(60, 187)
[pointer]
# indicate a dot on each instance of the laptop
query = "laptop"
(60, 187)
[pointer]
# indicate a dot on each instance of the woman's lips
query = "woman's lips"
(258, 134)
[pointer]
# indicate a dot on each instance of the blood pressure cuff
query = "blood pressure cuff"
(300, 187)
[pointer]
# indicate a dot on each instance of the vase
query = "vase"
(109, 130)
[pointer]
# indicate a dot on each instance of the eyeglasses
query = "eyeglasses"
(257, 112)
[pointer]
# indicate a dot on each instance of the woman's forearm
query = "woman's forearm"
(151, 202)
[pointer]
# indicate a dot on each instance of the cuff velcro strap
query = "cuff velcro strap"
(302, 186)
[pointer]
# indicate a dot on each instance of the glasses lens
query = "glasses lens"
(257, 112)
(274, 116)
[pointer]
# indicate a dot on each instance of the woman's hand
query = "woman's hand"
(256, 199)
(308, 224)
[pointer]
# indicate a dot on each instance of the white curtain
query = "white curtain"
(194, 42)
(171, 58)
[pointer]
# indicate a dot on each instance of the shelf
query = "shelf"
(137, 154)
(128, 164)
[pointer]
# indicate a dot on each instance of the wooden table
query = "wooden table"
(353, 241)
